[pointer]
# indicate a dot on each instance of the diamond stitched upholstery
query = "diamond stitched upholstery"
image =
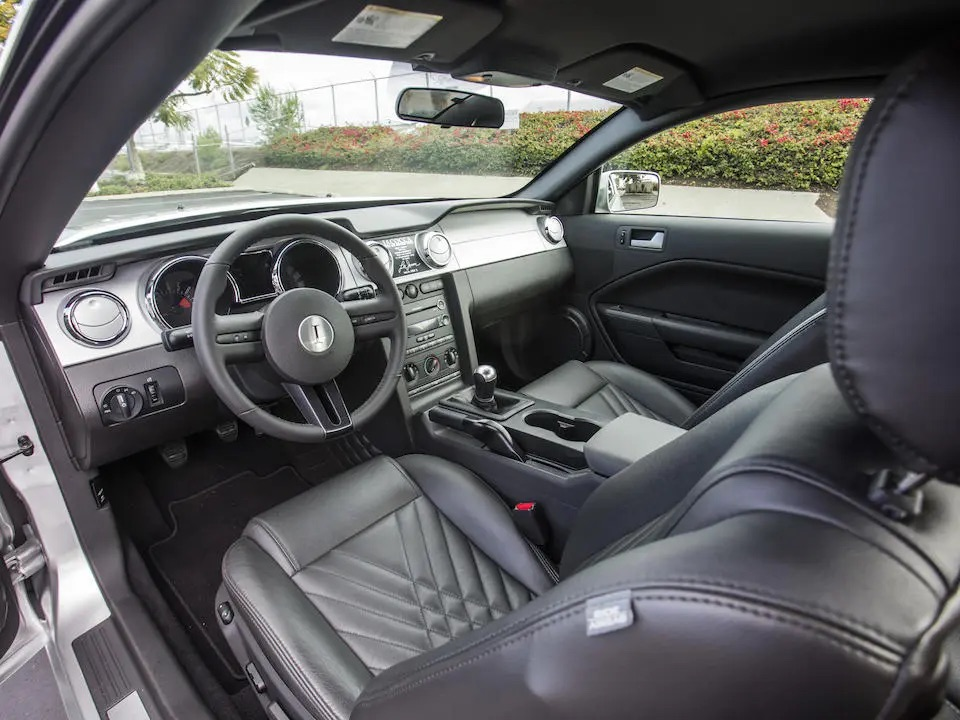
(376, 566)
(407, 584)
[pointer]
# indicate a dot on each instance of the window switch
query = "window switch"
(151, 388)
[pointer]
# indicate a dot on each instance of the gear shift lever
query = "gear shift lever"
(484, 387)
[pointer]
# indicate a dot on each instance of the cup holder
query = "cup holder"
(566, 428)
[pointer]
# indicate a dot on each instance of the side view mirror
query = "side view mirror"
(626, 190)
(451, 108)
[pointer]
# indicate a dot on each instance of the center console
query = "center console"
(432, 355)
(531, 450)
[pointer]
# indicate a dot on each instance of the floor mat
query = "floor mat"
(188, 561)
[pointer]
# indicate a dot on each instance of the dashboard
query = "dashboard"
(104, 318)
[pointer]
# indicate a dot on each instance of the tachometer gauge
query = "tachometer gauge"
(171, 290)
(307, 263)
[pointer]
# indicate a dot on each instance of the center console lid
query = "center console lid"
(623, 441)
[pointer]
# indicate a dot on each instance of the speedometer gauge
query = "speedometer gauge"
(307, 263)
(171, 290)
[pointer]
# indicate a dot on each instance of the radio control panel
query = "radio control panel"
(432, 356)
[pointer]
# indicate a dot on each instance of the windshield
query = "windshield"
(261, 128)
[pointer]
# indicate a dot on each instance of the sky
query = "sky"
(355, 101)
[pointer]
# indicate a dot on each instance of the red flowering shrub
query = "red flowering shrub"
(790, 146)
(794, 146)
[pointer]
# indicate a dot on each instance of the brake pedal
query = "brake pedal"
(174, 454)
(228, 431)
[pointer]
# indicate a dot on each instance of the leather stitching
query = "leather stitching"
(276, 539)
(402, 646)
(799, 329)
(545, 563)
(426, 553)
(406, 559)
(838, 305)
(398, 598)
(953, 708)
(419, 583)
(817, 632)
(368, 611)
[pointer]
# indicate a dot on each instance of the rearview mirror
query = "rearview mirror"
(626, 190)
(452, 108)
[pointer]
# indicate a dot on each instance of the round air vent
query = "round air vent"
(552, 228)
(435, 249)
(96, 318)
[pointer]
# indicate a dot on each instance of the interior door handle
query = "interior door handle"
(638, 238)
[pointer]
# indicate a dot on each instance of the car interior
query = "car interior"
(507, 457)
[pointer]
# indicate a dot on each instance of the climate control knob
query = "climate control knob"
(410, 373)
(451, 356)
(431, 366)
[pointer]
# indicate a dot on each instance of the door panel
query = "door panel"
(692, 310)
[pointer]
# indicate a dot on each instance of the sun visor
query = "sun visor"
(435, 31)
(633, 75)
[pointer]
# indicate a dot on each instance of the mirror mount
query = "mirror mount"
(627, 190)
(450, 108)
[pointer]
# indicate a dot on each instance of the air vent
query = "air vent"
(95, 318)
(80, 276)
(551, 228)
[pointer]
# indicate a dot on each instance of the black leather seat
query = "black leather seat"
(610, 389)
(796, 555)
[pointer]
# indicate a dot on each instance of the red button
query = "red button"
(525, 506)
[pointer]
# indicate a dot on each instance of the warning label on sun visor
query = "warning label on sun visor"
(633, 80)
(382, 26)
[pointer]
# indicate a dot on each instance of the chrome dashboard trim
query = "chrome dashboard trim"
(68, 325)
(275, 273)
(150, 288)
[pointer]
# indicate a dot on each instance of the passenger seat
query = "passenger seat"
(611, 389)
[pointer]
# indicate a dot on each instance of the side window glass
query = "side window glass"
(772, 162)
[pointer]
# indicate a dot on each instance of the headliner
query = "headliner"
(704, 49)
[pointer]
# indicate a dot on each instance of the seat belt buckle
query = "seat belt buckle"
(529, 519)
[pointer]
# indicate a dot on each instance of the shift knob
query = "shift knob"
(484, 386)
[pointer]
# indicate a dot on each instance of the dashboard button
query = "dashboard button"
(411, 291)
(451, 356)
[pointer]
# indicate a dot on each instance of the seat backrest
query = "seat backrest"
(798, 345)
(812, 571)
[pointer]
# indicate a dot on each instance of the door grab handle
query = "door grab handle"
(653, 243)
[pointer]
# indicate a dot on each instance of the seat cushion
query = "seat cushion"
(609, 390)
(376, 566)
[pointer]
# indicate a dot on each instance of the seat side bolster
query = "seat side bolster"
(296, 638)
(480, 514)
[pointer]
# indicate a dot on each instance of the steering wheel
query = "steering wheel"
(306, 335)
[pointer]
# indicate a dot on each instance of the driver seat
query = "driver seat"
(792, 556)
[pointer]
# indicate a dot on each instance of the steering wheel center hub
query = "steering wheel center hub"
(316, 334)
(307, 336)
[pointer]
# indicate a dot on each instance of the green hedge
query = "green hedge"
(793, 146)
(153, 182)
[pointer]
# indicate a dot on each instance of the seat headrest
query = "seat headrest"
(893, 292)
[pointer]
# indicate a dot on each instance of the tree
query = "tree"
(8, 11)
(219, 72)
(275, 114)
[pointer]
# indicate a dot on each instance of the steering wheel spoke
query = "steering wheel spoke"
(371, 318)
(322, 405)
(238, 336)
